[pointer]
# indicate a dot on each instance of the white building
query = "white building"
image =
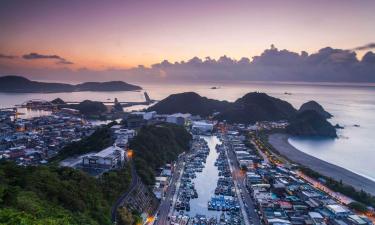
(129, 133)
(316, 218)
(338, 210)
(202, 127)
(178, 118)
(111, 157)
(145, 115)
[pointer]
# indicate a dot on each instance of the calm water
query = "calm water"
(205, 182)
(354, 150)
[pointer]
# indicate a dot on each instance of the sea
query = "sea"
(352, 107)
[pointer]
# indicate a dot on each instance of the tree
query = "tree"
(125, 217)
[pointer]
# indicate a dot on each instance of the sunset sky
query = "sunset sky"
(123, 34)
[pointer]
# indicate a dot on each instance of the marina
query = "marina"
(206, 194)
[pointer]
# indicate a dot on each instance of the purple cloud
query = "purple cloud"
(3, 56)
(365, 47)
(33, 55)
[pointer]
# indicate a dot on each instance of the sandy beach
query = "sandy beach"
(280, 142)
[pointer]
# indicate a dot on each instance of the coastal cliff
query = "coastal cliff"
(310, 123)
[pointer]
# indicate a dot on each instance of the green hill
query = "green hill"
(313, 105)
(310, 123)
(250, 108)
(157, 145)
(254, 107)
(52, 195)
(189, 102)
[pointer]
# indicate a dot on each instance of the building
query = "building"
(111, 157)
(128, 133)
(356, 220)
(202, 127)
(145, 115)
(178, 118)
(123, 136)
(316, 218)
(68, 111)
(338, 211)
(132, 120)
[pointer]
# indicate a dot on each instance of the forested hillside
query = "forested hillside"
(52, 195)
(156, 145)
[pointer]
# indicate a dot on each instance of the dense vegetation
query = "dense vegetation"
(156, 145)
(310, 123)
(254, 107)
(20, 84)
(100, 139)
(58, 101)
(189, 102)
(360, 196)
(313, 105)
(107, 86)
(52, 195)
(90, 108)
(126, 217)
(250, 108)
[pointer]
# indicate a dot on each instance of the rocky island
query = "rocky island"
(313, 105)
(18, 84)
(310, 123)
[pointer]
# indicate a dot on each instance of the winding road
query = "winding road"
(120, 201)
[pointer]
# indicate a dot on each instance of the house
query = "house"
(338, 211)
(316, 218)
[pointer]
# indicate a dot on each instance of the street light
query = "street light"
(129, 153)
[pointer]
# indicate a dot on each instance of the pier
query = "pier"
(41, 104)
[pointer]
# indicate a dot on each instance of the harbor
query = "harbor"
(206, 194)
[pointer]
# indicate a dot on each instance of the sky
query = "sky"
(104, 35)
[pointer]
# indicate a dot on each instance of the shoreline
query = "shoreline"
(281, 144)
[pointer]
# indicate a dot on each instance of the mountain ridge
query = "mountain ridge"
(19, 84)
(250, 108)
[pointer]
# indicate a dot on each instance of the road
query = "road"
(239, 180)
(121, 199)
(167, 203)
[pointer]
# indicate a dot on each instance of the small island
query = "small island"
(310, 123)
(313, 105)
(18, 84)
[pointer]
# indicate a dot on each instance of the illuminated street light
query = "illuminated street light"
(129, 153)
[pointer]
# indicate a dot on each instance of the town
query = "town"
(254, 188)
(226, 178)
